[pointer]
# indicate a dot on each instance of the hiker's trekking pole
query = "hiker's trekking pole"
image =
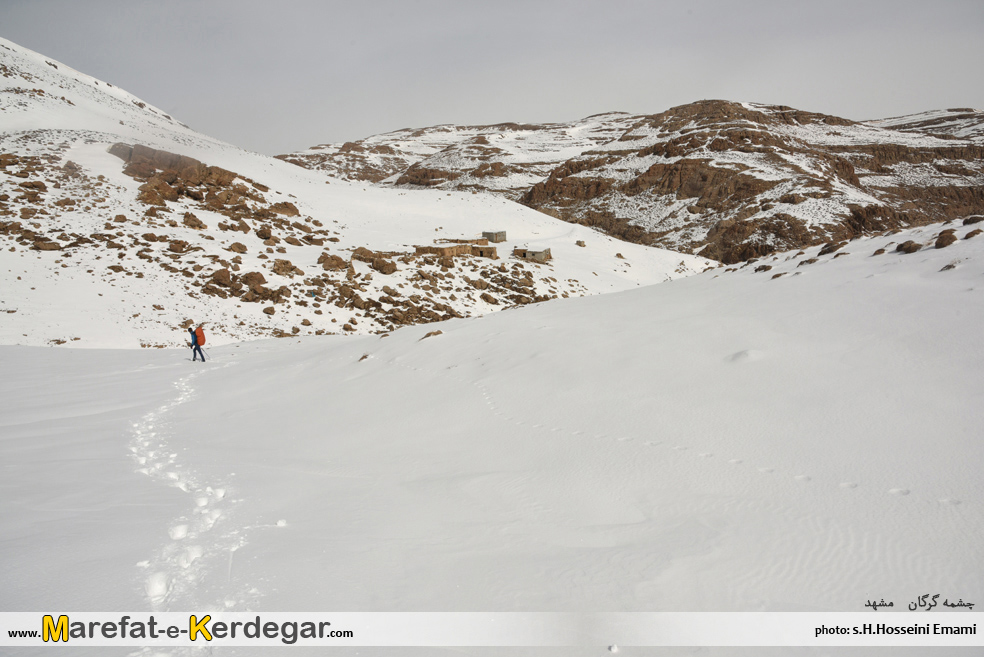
(206, 353)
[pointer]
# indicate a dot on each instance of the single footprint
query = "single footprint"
(744, 355)
(157, 586)
(680, 447)
(899, 491)
(766, 470)
(950, 501)
(848, 484)
(209, 517)
(178, 532)
(802, 478)
(188, 556)
(706, 455)
(735, 461)
(624, 439)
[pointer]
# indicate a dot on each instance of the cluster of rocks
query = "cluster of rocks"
(28, 178)
(946, 237)
(250, 287)
(168, 177)
(435, 282)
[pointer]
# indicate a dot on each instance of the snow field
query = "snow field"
(728, 441)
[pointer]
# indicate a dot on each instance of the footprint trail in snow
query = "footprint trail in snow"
(195, 565)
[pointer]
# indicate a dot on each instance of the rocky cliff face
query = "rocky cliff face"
(730, 181)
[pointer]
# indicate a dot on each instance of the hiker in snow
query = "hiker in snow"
(197, 340)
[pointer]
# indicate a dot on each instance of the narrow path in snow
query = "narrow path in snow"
(193, 568)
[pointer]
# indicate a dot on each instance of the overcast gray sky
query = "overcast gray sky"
(280, 76)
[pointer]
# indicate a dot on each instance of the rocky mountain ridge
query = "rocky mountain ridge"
(729, 181)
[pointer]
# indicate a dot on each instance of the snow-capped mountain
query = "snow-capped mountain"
(130, 223)
(730, 181)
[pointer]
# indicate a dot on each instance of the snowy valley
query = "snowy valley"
(392, 420)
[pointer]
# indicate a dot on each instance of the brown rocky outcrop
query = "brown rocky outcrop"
(286, 268)
(286, 208)
(253, 279)
(222, 277)
(363, 254)
(732, 241)
(426, 177)
(143, 162)
(192, 221)
(383, 266)
(332, 262)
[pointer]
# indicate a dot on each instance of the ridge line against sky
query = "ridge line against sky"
(280, 78)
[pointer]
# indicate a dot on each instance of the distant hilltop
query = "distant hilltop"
(726, 180)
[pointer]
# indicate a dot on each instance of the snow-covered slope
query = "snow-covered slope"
(729, 180)
(123, 248)
(961, 122)
(735, 440)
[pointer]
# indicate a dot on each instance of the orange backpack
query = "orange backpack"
(200, 334)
